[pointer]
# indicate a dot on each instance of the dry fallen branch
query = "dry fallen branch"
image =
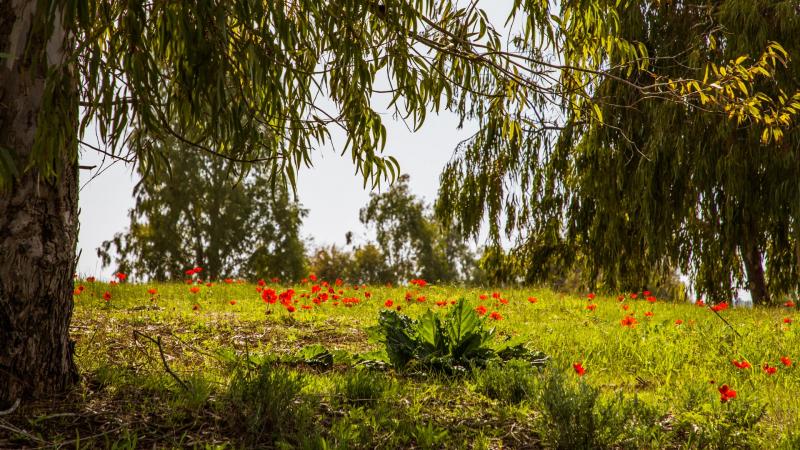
(163, 357)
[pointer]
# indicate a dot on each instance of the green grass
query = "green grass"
(239, 382)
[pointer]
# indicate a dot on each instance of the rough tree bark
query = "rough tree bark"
(38, 218)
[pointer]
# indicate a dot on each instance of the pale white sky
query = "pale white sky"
(330, 190)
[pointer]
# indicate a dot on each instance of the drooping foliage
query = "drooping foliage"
(202, 212)
(654, 185)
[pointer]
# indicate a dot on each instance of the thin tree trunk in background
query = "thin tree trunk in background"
(38, 220)
(756, 277)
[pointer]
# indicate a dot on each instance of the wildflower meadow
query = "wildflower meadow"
(324, 364)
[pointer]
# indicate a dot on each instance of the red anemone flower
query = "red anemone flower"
(388, 303)
(720, 307)
(579, 369)
(726, 393)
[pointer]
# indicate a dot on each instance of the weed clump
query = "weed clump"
(511, 383)
(265, 404)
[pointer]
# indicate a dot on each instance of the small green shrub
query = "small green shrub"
(511, 383)
(362, 387)
(265, 403)
(569, 411)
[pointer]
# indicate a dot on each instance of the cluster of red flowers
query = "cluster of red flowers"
(720, 307)
(193, 271)
(418, 282)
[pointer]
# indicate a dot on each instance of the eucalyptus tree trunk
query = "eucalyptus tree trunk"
(38, 218)
(753, 258)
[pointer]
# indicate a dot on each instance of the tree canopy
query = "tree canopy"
(655, 185)
(202, 213)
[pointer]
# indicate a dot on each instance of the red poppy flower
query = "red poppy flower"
(579, 369)
(421, 298)
(789, 304)
(634, 295)
(481, 310)
(441, 303)
(76, 292)
(532, 299)
(786, 361)
(649, 314)
(90, 279)
(787, 320)
(628, 321)
(107, 296)
(700, 302)
(651, 299)
(496, 315)
(291, 308)
(591, 296)
(678, 321)
(591, 306)
(194, 289)
(646, 293)
(189, 272)
(625, 307)
(228, 280)
(726, 393)
(121, 276)
(367, 294)
(741, 365)
(388, 303)
(233, 302)
(483, 296)
(307, 306)
(769, 370)
(720, 306)
(312, 277)
(262, 283)
(620, 298)
(152, 291)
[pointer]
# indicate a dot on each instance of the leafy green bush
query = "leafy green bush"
(451, 344)
(510, 383)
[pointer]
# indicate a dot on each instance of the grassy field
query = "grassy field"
(216, 366)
